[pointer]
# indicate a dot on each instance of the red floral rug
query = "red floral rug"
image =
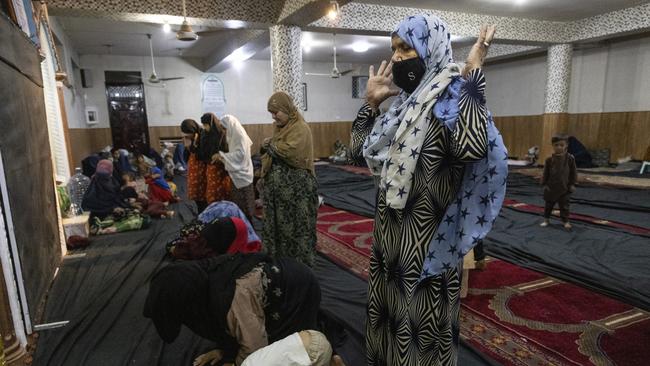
(514, 315)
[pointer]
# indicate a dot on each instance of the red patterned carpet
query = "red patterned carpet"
(514, 315)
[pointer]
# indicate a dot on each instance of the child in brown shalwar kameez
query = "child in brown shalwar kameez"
(559, 180)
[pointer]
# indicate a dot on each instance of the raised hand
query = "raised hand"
(479, 50)
(378, 88)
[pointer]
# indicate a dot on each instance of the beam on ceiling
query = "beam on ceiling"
(303, 12)
(499, 51)
(382, 19)
(249, 13)
(613, 24)
(252, 41)
(516, 36)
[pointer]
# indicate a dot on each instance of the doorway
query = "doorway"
(126, 111)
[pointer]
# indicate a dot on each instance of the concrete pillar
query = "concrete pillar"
(558, 85)
(286, 61)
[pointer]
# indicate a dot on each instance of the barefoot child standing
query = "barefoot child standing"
(559, 180)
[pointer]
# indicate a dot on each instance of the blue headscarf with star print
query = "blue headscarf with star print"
(430, 37)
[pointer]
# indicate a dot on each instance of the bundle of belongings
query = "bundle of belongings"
(341, 153)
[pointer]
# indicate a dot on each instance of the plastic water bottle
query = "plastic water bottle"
(77, 186)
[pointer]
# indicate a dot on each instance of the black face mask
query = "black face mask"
(407, 74)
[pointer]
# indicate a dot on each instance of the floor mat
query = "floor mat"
(515, 315)
(607, 180)
(525, 207)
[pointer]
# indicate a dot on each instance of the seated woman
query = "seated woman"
(106, 203)
(227, 235)
(221, 209)
(242, 302)
(159, 190)
(103, 196)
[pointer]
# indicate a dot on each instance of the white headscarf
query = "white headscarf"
(238, 158)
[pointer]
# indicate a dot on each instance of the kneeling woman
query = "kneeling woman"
(242, 302)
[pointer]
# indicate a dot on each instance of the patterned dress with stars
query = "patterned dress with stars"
(414, 321)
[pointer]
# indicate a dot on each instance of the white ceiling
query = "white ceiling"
(322, 48)
(559, 10)
(91, 35)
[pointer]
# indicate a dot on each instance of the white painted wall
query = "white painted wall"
(516, 88)
(73, 96)
(247, 90)
(615, 78)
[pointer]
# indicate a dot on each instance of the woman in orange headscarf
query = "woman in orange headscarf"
(290, 188)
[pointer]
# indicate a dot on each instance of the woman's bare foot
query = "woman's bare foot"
(567, 226)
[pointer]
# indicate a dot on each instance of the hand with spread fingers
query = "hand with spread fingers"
(379, 85)
(208, 358)
(479, 51)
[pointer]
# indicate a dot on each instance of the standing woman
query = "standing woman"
(213, 141)
(290, 189)
(196, 166)
(440, 165)
(239, 165)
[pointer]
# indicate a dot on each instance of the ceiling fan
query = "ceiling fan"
(186, 33)
(335, 73)
(154, 79)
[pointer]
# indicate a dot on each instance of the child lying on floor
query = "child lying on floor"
(140, 202)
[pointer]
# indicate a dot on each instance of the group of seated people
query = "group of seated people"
(127, 189)
(259, 310)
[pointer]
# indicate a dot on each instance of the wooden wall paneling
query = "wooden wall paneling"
(585, 128)
(520, 133)
(624, 133)
(640, 135)
(85, 141)
(325, 135)
(158, 132)
(553, 123)
(257, 133)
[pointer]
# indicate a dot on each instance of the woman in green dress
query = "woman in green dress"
(290, 189)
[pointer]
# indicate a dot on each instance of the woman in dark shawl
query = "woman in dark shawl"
(213, 140)
(104, 194)
(196, 178)
(241, 302)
